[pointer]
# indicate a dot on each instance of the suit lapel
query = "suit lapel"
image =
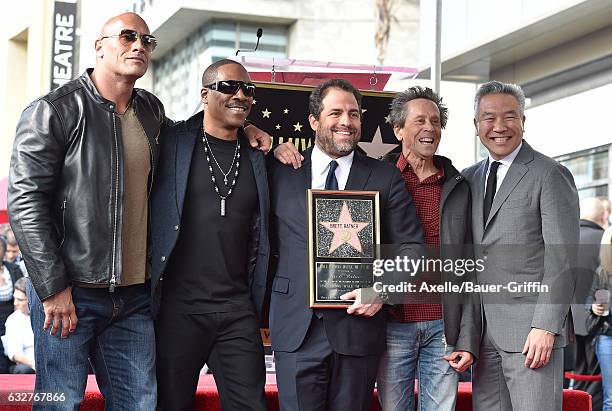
(478, 198)
(185, 145)
(304, 180)
(515, 173)
(359, 174)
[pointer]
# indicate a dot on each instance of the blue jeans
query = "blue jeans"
(115, 332)
(416, 350)
(603, 349)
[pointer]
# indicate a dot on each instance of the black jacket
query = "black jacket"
(66, 184)
(462, 313)
(603, 324)
(177, 144)
(588, 261)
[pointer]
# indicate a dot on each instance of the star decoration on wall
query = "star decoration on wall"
(286, 111)
(376, 148)
(297, 127)
(266, 113)
(388, 119)
(278, 126)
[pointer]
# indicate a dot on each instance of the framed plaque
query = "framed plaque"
(343, 234)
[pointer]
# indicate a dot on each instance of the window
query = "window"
(591, 170)
(177, 76)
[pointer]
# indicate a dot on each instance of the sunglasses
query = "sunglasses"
(127, 37)
(232, 86)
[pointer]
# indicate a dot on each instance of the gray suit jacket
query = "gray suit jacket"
(530, 236)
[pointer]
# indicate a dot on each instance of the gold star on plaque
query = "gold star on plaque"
(286, 111)
(278, 126)
(266, 113)
(345, 230)
(297, 127)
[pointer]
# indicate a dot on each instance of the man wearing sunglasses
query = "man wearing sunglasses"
(84, 160)
(209, 242)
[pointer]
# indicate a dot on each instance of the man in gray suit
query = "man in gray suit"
(525, 221)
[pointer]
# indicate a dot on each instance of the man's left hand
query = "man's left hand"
(258, 139)
(358, 308)
(538, 348)
(459, 360)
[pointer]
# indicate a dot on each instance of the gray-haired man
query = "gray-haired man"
(523, 204)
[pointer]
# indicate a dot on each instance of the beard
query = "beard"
(334, 148)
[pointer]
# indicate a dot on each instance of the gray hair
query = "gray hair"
(497, 87)
(399, 105)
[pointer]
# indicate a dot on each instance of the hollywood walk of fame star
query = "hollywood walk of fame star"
(345, 230)
(377, 148)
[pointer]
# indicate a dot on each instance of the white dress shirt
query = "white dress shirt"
(320, 166)
(502, 170)
(19, 337)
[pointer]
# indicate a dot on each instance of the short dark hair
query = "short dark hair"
(2, 245)
(315, 103)
(210, 74)
(399, 106)
(20, 285)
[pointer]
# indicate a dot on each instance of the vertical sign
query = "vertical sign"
(64, 42)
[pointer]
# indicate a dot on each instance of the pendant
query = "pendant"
(223, 207)
(225, 180)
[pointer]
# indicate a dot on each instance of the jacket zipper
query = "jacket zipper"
(63, 223)
(113, 279)
(153, 165)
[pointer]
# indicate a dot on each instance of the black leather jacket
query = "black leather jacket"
(66, 184)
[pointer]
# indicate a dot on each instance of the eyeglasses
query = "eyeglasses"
(232, 86)
(127, 37)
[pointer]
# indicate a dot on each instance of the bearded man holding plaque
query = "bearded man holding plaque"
(327, 358)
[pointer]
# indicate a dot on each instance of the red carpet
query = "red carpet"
(208, 400)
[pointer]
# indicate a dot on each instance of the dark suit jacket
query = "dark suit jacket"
(167, 199)
(290, 314)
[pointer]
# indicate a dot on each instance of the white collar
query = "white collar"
(320, 161)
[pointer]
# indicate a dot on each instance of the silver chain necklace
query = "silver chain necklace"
(236, 159)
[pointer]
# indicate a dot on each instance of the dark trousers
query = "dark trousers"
(314, 377)
(6, 309)
(230, 343)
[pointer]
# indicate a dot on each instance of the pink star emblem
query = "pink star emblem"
(345, 230)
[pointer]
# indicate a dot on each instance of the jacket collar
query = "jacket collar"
(91, 89)
(449, 170)
(590, 224)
